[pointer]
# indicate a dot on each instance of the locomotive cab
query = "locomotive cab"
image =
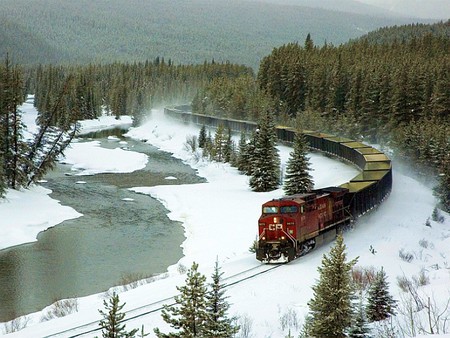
(278, 227)
(290, 226)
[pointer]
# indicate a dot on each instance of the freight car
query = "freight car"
(292, 225)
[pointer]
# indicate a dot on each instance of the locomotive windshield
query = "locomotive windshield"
(289, 209)
(270, 210)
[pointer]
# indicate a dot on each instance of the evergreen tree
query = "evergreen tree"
(380, 304)
(360, 328)
(265, 159)
(331, 307)
(12, 144)
(219, 144)
(442, 190)
(218, 325)
(243, 158)
(112, 318)
(202, 137)
(189, 314)
(228, 147)
(298, 180)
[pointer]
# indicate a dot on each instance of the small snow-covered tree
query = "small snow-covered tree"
(265, 173)
(189, 314)
(219, 143)
(218, 324)
(380, 304)
(298, 180)
(359, 328)
(331, 309)
(112, 317)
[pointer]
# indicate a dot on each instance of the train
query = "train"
(291, 226)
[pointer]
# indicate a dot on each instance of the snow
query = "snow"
(220, 218)
(88, 158)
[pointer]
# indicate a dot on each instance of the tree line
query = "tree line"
(64, 95)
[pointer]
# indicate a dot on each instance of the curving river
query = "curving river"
(120, 234)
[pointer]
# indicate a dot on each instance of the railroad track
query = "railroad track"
(142, 311)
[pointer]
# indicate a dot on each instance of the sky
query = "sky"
(426, 9)
(219, 219)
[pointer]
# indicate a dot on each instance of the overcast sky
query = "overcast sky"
(434, 9)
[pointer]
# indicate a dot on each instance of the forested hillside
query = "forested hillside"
(238, 31)
(391, 93)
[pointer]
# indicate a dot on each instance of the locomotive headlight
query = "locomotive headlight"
(282, 237)
(264, 238)
(276, 220)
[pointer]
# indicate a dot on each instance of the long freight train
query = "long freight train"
(292, 225)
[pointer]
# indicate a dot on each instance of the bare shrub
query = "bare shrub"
(61, 308)
(289, 320)
(422, 279)
(191, 143)
(404, 283)
(132, 281)
(406, 256)
(181, 269)
(363, 276)
(245, 324)
(424, 243)
(16, 324)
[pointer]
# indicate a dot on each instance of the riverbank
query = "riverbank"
(27, 212)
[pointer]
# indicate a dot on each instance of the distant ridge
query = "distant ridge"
(184, 31)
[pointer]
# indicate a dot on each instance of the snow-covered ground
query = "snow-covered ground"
(220, 218)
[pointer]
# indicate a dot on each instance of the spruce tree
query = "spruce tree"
(297, 179)
(331, 308)
(219, 144)
(218, 325)
(265, 173)
(359, 328)
(202, 137)
(189, 314)
(380, 304)
(112, 318)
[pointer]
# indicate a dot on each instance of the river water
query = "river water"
(120, 234)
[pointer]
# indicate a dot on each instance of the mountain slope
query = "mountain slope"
(184, 31)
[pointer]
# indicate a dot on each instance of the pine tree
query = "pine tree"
(331, 307)
(380, 304)
(265, 159)
(298, 180)
(189, 314)
(218, 325)
(112, 318)
(243, 156)
(202, 137)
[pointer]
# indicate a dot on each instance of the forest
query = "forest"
(243, 32)
(390, 91)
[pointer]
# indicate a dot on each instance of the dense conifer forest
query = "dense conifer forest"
(238, 31)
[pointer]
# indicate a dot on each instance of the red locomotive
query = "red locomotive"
(292, 225)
